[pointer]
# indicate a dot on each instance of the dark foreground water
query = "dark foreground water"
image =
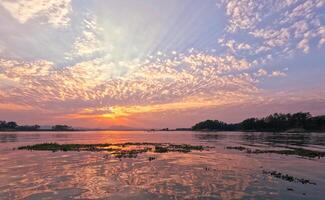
(216, 173)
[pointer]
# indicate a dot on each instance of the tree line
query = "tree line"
(277, 122)
(13, 126)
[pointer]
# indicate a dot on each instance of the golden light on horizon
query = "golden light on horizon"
(129, 59)
(195, 103)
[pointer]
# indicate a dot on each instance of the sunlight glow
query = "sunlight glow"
(113, 60)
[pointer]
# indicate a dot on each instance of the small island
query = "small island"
(278, 122)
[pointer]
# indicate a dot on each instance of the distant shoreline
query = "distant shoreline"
(297, 122)
(76, 130)
(245, 131)
(288, 123)
(152, 131)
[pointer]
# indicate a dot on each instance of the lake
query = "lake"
(234, 165)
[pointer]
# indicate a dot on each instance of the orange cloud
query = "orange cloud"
(15, 107)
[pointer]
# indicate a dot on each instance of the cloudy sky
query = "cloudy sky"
(159, 63)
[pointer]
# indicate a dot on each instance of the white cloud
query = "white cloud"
(233, 45)
(242, 14)
(279, 27)
(56, 12)
(211, 79)
(261, 72)
(89, 41)
(278, 74)
(321, 33)
(304, 45)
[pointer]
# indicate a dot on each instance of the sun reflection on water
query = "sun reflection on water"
(214, 174)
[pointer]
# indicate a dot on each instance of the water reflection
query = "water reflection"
(215, 174)
(270, 139)
(276, 138)
(170, 176)
(8, 137)
(210, 137)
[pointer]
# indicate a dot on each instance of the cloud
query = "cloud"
(242, 14)
(261, 72)
(260, 104)
(89, 42)
(264, 73)
(185, 105)
(114, 89)
(14, 107)
(304, 45)
(321, 33)
(116, 68)
(56, 12)
(278, 27)
(278, 74)
(233, 45)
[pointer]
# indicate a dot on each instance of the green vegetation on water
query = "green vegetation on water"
(184, 148)
(290, 151)
(151, 158)
(118, 150)
(287, 177)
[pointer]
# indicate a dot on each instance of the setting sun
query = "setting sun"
(162, 99)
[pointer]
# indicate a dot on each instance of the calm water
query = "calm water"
(218, 173)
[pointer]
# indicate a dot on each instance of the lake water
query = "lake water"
(216, 173)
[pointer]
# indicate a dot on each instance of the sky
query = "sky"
(159, 63)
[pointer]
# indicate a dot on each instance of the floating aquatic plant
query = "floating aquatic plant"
(122, 150)
(289, 151)
(287, 177)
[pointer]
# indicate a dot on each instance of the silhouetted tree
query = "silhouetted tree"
(61, 128)
(8, 125)
(29, 128)
(276, 122)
